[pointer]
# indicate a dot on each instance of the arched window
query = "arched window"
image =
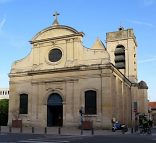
(90, 102)
(23, 104)
(120, 57)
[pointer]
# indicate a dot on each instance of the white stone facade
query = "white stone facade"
(59, 75)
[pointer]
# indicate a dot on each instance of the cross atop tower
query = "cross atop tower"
(55, 20)
(56, 14)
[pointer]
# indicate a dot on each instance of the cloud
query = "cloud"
(2, 23)
(142, 23)
(147, 60)
(149, 2)
(5, 1)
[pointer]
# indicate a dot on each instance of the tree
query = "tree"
(4, 112)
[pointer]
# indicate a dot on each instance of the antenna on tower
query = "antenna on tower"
(121, 27)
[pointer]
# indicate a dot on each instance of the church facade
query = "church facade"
(60, 76)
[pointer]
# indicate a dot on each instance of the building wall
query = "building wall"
(154, 116)
(4, 93)
(71, 86)
(152, 111)
(143, 102)
(121, 99)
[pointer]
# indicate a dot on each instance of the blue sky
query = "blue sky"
(20, 20)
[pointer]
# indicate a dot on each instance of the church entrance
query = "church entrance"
(54, 110)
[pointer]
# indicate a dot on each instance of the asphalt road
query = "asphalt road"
(33, 138)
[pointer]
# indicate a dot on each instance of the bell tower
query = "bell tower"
(122, 45)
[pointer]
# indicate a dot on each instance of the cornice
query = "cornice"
(65, 37)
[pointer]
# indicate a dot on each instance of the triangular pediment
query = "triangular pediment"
(98, 45)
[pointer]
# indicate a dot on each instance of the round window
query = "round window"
(55, 55)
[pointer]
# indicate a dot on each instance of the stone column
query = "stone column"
(69, 107)
(34, 105)
(106, 99)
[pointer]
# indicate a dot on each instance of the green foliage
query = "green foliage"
(4, 112)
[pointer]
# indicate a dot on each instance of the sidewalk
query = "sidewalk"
(154, 127)
(58, 131)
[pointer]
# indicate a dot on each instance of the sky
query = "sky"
(20, 20)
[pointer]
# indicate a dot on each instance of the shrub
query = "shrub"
(4, 112)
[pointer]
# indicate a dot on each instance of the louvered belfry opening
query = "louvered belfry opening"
(120, 57)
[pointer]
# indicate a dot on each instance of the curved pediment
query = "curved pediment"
(55, 32)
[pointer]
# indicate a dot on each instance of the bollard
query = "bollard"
(81, 130)
(32, 129)
(136, 128)
(21, 129)
(10, 129)
(0, 129)
(45, 130)
(92, 131)
(59, 130)
(132, 130)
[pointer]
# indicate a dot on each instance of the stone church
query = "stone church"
(60, 76)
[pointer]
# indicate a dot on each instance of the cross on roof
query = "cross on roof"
(56, 14)
(55, 20)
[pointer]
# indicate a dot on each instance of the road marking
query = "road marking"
(27, 141)
(50, 140)
(42, 141)
(56, 139)
(3, 134)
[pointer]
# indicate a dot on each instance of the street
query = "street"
(118, 138)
